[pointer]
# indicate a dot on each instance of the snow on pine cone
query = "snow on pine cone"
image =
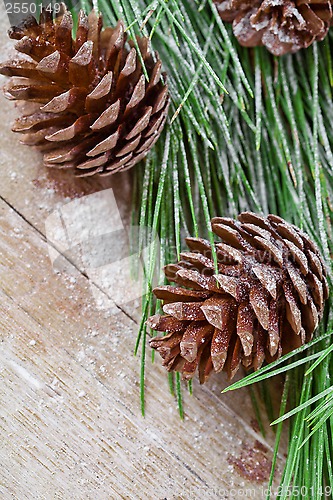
(95, 111)
(266, 299)
(281, 25)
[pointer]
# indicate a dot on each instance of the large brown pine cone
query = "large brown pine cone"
(266, 299)
(96, 111)
(281, 25)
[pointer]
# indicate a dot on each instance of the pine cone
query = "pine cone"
(281, 25)
(96, 112)
(266, 299)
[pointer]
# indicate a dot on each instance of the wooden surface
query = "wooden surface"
(70, 421)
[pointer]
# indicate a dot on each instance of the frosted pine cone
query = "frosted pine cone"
(266, 299)
(281, 25)
(96, 112)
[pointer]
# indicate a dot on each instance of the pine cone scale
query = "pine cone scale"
(266, 299)
(293, 314)
(217, 310)
(244, 328)
(193, 337)
(314, 20)
(97, 98)
(259, 301)
(188, 311)
(310, 316)
(219, 348)
(273, 329)
(21, 68)
(177, 294)
(267, 278)
(65, 102)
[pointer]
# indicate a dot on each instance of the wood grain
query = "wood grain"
(70, 422)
